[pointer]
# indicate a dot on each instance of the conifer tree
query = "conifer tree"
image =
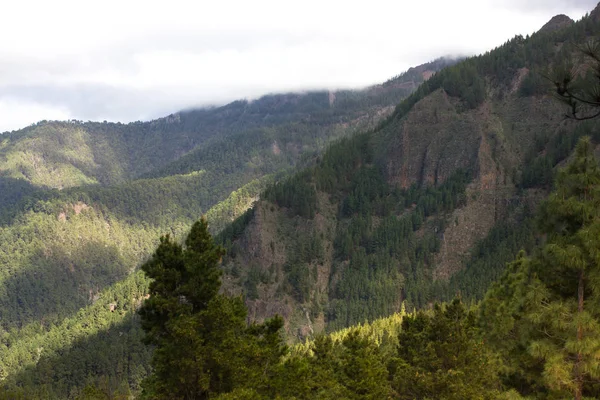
(579, 87)
(184, 280)
(312, 375)
(545, 313)
(569, 268)
(202, 344)
(441, 356)
(363, 372)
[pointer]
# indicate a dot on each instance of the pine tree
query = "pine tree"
(170, 314)
(313, 375)
(441, 356)
(569, 268)
(579, 87)
(202, 344)
(505, 326)
(363, 372)
(544, 313)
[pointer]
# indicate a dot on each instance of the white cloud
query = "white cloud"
(14, 113)
(128, 60)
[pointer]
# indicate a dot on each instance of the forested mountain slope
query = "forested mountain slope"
(83, 204)
(412, 204)
(65, 154)
(46, 231)
(430, 204)
(534, 336)
(231, 145)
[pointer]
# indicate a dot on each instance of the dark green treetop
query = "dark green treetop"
(203, 346)
(543, 315)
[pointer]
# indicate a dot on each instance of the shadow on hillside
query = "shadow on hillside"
(113, 360)
(53, 284)
(15, 196)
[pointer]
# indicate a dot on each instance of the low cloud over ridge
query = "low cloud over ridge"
(124, 61)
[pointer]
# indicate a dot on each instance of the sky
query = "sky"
(131, 60)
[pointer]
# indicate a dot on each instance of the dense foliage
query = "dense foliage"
(82, 205)
(377, 254)
(388, 259)
(542, 315)
(534, 336)
(203, 346)
(99, 346)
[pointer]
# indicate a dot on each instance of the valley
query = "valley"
(369, 220)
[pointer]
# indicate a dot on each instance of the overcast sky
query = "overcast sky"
(135, 60)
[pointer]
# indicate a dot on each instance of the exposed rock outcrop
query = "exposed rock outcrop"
(556, 23)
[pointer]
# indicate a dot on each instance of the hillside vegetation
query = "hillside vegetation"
(83, 204)
(430, 204)
(362, 205)
(534, 336)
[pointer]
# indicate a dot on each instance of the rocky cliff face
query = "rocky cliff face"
(436, 139)
(426, 142)
(433, 141)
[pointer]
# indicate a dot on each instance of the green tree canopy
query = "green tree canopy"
(544, 313)
(203, 344)
(441, 356)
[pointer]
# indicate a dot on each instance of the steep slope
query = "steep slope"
(83, 204)
(556, 23)
(231, 145)
(399, 213)
(78, 234)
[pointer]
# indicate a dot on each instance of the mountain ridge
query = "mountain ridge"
(379, 217)
(75, 214)
(334, 266)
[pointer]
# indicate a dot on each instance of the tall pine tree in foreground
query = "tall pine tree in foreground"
(569, 268)
(544, 313)
(203, 346)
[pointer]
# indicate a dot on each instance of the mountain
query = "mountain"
(557, 22)
(362, 204)
(429, 205)
(232, 145)
(65, 154)
(83, 204)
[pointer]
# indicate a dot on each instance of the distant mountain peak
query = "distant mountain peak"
(595, 14)
(556, 23)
